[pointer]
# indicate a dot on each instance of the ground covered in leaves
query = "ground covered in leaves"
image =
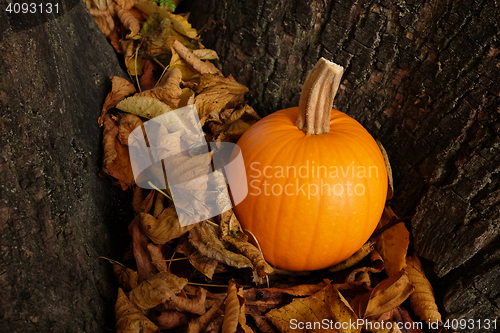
(208, 276)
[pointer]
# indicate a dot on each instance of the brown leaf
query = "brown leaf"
(116, 160)
(145, 268)
(398, 316)
(230, 124)
(252, 253)
(125, 4)
(217, 93)
(157, 258)
(392, 244)
(204, 239)
(387, 295)
(200, 66)
(126, 124)
(127, 278)
(128, 20)
(202, 263)
(263, 325)
(159, 204)
(157, 289)
(422, 300)
(195, 305)
(164, 228)
(129, 318)
(327, 304)
(104, 20)
(234, 313)
(199, 324)
(172, 319)
(147, 80)
(170, 91)
(390, 190)
(355, 258)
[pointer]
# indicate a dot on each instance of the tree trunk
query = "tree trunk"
(422, 77)
(55, 212)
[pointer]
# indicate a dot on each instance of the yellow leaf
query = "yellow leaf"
(157, 289)
(392, 244)
(198, 65)
(150, 7)
(129, 319)
(327, 304)
(143, 106)
(206, 54)
(120, 88)
(127, 278)
(182, 26)
(135, 65)
(422, 300)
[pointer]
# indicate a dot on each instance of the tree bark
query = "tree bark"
(422, 77)
(55, 212)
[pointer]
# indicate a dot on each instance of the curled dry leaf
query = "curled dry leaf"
(353, 276)
(195, 305)
(217, 93)
(125, 4)
(326, 304)
(128, 20)
(230, 124)
(159, 204)
(263, 325)
(143, 106)
(116, 160)
(422, 300)
(104, 20)
(390, 189)
(252, 253)
(234, 312)
(126, 124)
(172, 319)
(198, 65)
(145, 268)
(169, 92)
(392, 244)
(387, 295)
(157, 289)
(202, 263)
(355, 258)
(396, 315)
(129, 318)
(204, 239)
(127, 278)
(164, 228)
(157, 258)
(206, 54)
(200, 324)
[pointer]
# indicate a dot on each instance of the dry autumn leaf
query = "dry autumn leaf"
(129, 319)
(422, 300)
(116, 159)
(198, 65)
(355, 258)
(164, 228)
(170, 92)
(172, 319)
(126, 124)
(128, 20)
(217, 93)
(147, 80)
(135, 64)
(104, 20)
(234, 312)
(392, 244)
(328, 304)
(202, 263)
(390, 189)
(127, 278)
(143, 106)
(387, 295)
(205, 240)
(145, 268)
(200, 324)
(182, 26)
(157, 289)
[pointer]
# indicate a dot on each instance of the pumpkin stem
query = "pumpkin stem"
(316, 100)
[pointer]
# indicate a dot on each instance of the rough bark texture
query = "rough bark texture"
(421, 76)
(55, 212)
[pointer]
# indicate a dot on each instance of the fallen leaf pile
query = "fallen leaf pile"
(208, 276)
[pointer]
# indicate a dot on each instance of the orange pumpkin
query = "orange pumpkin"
(317, 181)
